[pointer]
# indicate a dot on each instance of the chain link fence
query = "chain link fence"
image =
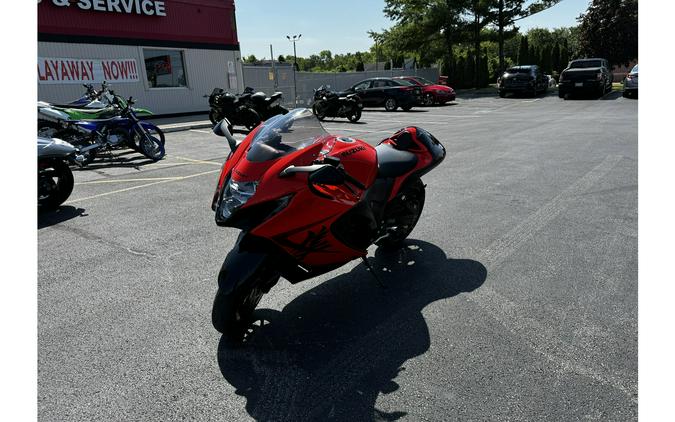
(263, 78)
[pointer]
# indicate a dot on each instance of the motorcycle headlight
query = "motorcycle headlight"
(236, 194)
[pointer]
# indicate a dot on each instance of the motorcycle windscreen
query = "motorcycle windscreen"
(285, 133)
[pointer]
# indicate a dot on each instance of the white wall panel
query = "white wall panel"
(205, 69)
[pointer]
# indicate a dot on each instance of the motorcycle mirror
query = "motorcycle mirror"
(327, 175)
(221, 129)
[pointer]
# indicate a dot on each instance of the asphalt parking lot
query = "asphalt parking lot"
(514, 299)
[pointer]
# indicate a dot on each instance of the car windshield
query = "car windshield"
(585, 63)
(405, 82)
(285, 133)
(635, 69)
(423, 81)
(518, 70)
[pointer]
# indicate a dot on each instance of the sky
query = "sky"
(341, 26)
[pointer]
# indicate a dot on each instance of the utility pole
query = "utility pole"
(295, 66)
(377, 56)
(274, 73)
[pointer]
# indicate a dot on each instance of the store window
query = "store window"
(165, 68)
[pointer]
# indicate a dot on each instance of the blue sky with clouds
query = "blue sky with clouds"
(340, 26)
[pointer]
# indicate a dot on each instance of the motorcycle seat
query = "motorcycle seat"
(392, 162)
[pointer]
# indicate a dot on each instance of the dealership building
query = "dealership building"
(166, 54)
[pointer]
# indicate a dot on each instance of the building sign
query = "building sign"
(79, 71)
(138, 7)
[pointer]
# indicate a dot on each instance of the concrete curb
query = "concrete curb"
(179, 127)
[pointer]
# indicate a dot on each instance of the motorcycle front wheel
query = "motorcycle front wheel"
(233, 311)
(55, 183)
(354, 115)
(151, 147)
(319, 112)
(214, 116)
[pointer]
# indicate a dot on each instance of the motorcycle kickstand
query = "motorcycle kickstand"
(372, 271)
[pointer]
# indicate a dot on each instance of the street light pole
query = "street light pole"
(295, 66)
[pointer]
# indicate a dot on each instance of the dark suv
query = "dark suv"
(527, 79)
(585, 75)
(387, 92)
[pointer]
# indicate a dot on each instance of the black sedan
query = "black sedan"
(387, 92)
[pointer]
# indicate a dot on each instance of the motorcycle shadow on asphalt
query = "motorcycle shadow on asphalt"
(63, 213)
(331, 351)
(125, 158)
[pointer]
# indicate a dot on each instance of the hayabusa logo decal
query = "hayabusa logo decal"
(313, 243)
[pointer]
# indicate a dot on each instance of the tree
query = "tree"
(281, 59)
(545, 60)
(510, 11)
(359, 66)
(421, 25)
(609, 29)
(250, 59)
(326, 58)
(532, 55)
(523, 57)
(564, 55)
(555, 57)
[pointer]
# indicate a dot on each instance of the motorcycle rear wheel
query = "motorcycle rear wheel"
(233, 311)
(250, 118)
(403, 213)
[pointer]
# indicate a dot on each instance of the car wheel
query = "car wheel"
(390, 104)
(428, 100)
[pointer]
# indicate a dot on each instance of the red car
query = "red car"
(431, 92)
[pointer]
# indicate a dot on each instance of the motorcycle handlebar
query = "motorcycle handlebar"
(291, 170)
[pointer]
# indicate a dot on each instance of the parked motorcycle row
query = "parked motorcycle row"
(250, 108)
(247, 109)
(77, 132)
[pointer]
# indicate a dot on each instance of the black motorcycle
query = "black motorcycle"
(265, 106)
(55, 179)
(332, 104)
(227, 106)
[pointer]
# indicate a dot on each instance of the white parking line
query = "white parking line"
(143, 179)
(141, 186)
(192, 160)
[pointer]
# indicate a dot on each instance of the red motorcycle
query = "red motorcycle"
(308, 202)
